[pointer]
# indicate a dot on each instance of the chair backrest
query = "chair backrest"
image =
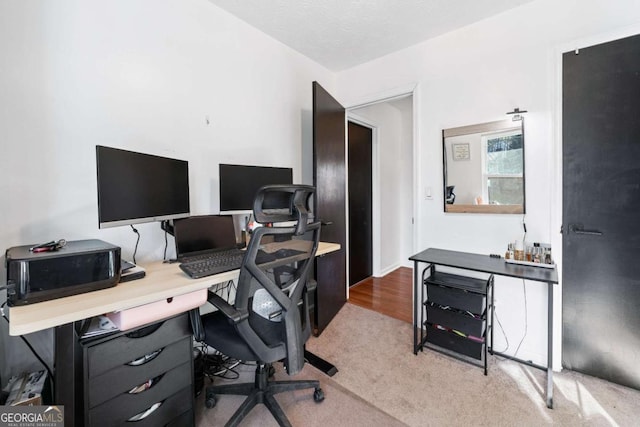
(274, 277)
(450, 196)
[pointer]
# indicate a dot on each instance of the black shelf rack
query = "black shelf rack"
(456, 315)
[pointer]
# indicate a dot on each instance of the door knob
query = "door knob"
(579, 229)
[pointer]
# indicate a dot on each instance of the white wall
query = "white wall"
(141, 75)
(464, 174)
(476, 75)
(393, 183)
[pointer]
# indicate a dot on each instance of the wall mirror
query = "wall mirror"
(484, 168)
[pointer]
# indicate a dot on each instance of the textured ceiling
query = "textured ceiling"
(340, 34)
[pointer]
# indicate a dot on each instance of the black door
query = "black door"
(360, 188)
(330, 204)
(601, 211)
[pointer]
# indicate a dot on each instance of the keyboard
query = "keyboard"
(214, 263)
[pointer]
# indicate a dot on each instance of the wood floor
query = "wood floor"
(390, 295)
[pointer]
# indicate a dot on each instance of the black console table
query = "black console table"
(493, 266)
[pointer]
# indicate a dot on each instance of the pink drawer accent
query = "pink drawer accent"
(155, 311)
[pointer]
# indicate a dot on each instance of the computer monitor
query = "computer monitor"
(239, 185)
(135, 187)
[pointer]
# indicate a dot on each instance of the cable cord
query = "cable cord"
(495, 313)
(216, 364)
(524, 290)
(231, 285)
(32, 351)
(166, 244)
(137, 241)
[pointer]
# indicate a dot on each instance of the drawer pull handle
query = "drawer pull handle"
(146, 385)
(145, 331)
(142, 415)
(144, 359)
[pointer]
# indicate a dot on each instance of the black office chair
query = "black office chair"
(269, 321)
(450, 196)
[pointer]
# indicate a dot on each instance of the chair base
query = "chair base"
(261, 391)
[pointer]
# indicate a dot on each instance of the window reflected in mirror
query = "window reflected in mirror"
(484, 168)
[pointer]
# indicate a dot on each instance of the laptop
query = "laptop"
(203, 236)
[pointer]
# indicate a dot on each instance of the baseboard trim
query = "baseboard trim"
(388, 270)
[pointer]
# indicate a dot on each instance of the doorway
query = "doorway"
(390, 121)
(393, 189)
(360, 201)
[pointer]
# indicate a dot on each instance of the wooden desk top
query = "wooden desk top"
(161, 281)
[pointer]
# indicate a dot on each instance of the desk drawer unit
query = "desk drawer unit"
(159, 413)
(454, 317)
(125, 377)
(147, 372)
(103, 355)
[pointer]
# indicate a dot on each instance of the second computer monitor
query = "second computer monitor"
(239, 184)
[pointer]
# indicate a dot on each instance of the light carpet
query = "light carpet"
(374, 356)
(339, 408)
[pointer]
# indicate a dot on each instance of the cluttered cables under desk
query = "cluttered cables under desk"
(216, 364)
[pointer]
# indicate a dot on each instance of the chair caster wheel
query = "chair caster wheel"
(318, 395)
(210, 401)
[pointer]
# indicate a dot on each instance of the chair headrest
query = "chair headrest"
(284, 203)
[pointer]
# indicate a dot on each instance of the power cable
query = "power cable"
(524, 289)
(137, 241)
(32, 351)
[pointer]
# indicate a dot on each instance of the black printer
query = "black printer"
(77, 267)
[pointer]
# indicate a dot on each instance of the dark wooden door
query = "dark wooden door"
(360, 206)
(601, 211)
(329, 178)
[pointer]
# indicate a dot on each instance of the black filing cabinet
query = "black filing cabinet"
(454, 316)
(142, 377)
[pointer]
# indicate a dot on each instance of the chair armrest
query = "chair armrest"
(227, 309)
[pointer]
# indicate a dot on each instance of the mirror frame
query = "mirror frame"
(474, 129)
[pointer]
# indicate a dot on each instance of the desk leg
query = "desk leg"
(493, 310)
(68, 379)
(415, 309)
(320, 363)
(550, 347)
